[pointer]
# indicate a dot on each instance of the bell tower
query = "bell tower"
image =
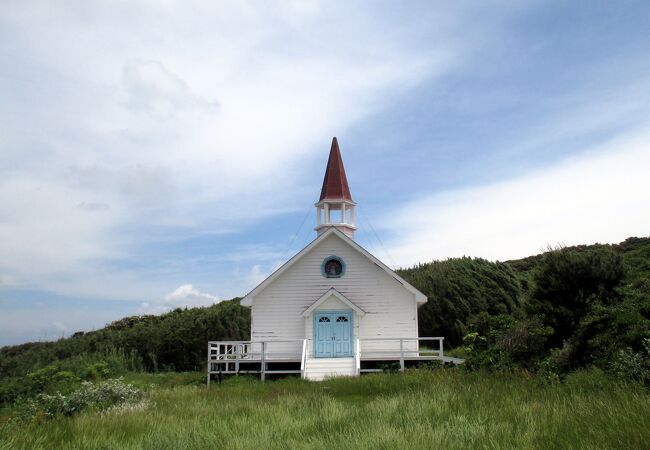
(335, 208)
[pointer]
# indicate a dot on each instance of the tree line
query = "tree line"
(568, 308)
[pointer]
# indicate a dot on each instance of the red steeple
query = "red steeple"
(335, 183)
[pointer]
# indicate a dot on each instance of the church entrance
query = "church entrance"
(332, 334)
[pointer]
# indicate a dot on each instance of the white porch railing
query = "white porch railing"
(227, 357)
(399, 349)
(234, 357)
(285, 349)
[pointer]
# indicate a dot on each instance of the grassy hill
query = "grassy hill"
(447, 408)
(558, 311)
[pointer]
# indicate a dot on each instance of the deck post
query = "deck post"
(209, 363)
(401, 354)
(303, 358)
(358, 357)
(237, 356)
(263, 363)
(441, 350)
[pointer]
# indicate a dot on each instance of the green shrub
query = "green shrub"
(503, 342)
(633, 366)
(50, 379)
(97, 396)
(547, 370)
(97, 371)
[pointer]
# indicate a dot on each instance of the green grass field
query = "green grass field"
(420, 409)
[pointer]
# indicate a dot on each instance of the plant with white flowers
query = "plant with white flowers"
(95, 396)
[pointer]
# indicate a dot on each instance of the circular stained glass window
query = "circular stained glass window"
(333, 267)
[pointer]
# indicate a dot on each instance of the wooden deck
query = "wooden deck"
(262, 357)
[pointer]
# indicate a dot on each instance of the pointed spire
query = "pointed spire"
(335, 208)
(335, 183)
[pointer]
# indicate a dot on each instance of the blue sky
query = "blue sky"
(164, 154)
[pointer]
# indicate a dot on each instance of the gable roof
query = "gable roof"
(335, 183)
(420, 298)
(333, 292)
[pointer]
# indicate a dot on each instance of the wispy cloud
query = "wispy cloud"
(161, 120)
(599, 196)
(154, 90)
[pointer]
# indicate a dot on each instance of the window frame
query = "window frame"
(332, 258)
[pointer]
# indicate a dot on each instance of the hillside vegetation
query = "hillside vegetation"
(567, 308)
(175, 341)
(553, 313)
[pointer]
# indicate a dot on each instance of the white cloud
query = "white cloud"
(600, 196)
(185, 296)
(43, 227)
(152, 89)
(142, 115)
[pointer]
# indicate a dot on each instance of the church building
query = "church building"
(333, 307)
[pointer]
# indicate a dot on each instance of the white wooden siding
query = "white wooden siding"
(391, 310)
(332, 303)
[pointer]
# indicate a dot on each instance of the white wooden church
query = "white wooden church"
(331, 310)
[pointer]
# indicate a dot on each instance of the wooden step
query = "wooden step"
(321, 368)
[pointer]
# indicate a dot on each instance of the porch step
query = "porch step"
(318, 369)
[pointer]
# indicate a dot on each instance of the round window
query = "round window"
(333, 267)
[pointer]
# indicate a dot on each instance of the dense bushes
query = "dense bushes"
(173, 341)
(460, 288)
(564, 309)
(569, 283)
(589, 311)
(503, 342)
(65, 375)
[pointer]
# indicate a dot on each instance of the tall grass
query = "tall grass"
(421, 409)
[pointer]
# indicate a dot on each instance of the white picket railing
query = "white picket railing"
(399, 349)
(227, 357)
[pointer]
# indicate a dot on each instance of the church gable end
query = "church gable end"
(306, 268)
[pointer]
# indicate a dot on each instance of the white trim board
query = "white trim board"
(339, 296)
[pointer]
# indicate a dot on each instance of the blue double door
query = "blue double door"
(333, 334)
